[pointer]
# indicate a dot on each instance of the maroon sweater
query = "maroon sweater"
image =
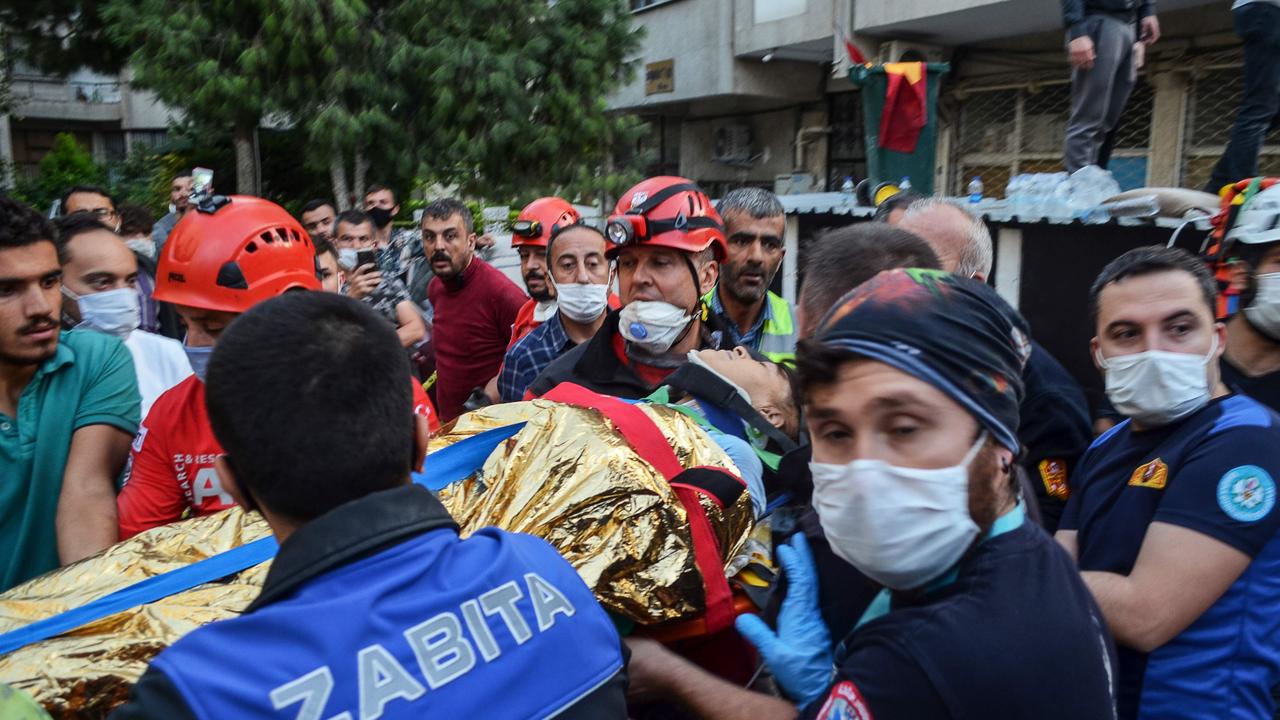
(473, 317)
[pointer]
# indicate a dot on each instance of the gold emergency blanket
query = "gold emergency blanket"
(89, 671)
(567, 476)
(570, 478)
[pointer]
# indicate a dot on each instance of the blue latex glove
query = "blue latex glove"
(799, 653)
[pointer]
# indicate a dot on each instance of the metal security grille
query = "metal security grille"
(1006, 130)
(1212, 101)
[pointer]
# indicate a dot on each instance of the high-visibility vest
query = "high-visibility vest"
(777, 338)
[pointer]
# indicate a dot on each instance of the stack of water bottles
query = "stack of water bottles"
(1081, 195)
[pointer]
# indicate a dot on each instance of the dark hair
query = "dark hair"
(352, 217)
(70, 226)
(324, 246)
(447, 208)
(551, 241)
(817, 365)
(289, 381)
(843, 259)
(88, 189)
(316, 205)
(379, 188)
(1153, 259)
(896, 201)
(21, 226)
(135, 219)
(185, 172)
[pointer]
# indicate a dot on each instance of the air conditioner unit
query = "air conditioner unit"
(904, 50)
(731, 143)
(794, 183)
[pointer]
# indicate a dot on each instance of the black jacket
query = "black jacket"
(595, 366)
(1075, 11)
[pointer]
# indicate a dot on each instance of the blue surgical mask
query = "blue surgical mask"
(199, 357)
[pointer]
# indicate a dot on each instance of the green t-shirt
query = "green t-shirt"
(89, 381)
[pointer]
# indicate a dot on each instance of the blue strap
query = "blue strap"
(462, 458)
(441, 469)
(144, 591)
(723, 420)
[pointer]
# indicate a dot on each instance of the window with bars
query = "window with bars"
(846, 146)
(1009, 130)
(1213, 98)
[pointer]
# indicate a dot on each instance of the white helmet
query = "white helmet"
(1258, 220)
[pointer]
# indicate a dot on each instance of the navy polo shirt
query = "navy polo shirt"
(1213, 473)
(1015, 635)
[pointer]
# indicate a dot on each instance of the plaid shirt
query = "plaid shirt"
(528, 357)
(753, 336)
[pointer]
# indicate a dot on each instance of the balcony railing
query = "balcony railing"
(64, 91)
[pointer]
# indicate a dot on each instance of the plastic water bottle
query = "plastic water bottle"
(975, 190)
(905, 185)
(846, 187)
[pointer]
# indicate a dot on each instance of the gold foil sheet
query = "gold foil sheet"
(570, 478)
(567, 477)
(89, 671)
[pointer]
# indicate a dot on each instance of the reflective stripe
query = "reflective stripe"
(778, 336)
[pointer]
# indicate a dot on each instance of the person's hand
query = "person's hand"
(799, 654)
(1149, 30)
(485, 241)
(363, 281)
(1081, 52)
(647, 670)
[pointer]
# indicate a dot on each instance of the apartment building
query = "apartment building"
(757, 91)
(105, 113)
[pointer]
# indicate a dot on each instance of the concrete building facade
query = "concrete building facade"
(756, 91)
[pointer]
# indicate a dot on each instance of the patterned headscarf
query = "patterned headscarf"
(952, 332)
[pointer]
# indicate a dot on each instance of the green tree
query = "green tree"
(511, 93)
(225, 63)
(67, 164)
(59, 36)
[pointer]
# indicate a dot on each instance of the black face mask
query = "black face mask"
(380, 216)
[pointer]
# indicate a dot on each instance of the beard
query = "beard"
(989, 488)
(747, 294)
(544, 293)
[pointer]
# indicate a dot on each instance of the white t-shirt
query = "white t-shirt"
(160, 362)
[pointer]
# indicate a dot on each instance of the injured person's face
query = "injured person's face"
(766, 383)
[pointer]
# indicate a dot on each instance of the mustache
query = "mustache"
(441, 256)
(535, 275)
(38, 325)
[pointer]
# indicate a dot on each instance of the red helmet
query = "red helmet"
(228, 254)
(667, 212)
(540, 218)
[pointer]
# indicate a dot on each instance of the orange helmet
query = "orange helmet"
(540, 219)
(667, 212)
(230, 253)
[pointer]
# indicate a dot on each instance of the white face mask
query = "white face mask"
(902, 527)
(1264, 312)
(113, 312)
(582, 302)
(145, 246)
(347, 258)
(1156, 387)
(653, 325)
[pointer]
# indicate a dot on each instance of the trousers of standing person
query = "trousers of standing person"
(1099, 93)
(1257, 23)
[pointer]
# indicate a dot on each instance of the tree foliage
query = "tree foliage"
(504, 98)
(60, 36)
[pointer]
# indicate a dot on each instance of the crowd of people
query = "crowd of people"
(953, 535)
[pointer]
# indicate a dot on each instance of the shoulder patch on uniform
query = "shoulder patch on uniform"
(1053, 473)
(845, 703)
(1246, 493)
(140, 438)
(1152, 475)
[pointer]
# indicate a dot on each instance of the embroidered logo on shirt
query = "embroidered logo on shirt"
(1246, 493)
(845, 703)
(1152, 475)
(1053, 473)
(140, 438)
